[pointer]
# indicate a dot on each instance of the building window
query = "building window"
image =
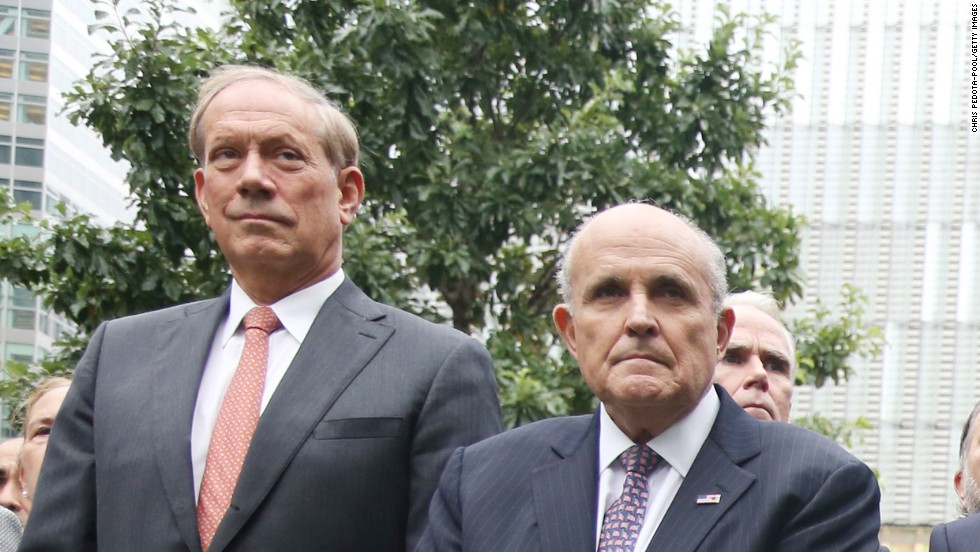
(29, 152)
(7, 63)
(21, 297)
(33, 67)
(20, 319)
(8, 20)
(36, 23)
(51, 203)
(45, 324)
(5, 149)
(30, 109)
(6, 100)
(20, 352)
(28, 192)
(24, 229)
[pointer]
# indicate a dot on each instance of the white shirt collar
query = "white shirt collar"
(678, 445)
(296, 311)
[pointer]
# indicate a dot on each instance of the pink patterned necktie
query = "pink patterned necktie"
(622, 522)
(237, 419)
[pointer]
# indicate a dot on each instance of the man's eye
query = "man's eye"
(289, 156)
(777, 366)
(607, 291)
(674, 291)
(731, 358)
(224, 154)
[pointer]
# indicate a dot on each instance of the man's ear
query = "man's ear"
(565, 323)
(726, 321)
(958, 485)
(202, 203)
(350, 182)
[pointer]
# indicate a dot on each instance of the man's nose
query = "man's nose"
(757, 375)
(255, 179)
(640, 319)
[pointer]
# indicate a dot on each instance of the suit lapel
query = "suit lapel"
(733, 440)
(180, 356)
(344, 337)
(565, 490)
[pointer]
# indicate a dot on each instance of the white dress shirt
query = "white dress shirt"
(296, 312)
(678, 446)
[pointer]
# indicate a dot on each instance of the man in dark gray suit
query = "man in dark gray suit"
(341, 412)
(669, 462)
(963, 534)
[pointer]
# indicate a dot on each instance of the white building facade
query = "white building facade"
(881, 154)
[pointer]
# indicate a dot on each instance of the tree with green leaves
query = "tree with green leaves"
(488, 129)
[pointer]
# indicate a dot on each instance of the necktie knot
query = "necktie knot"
(262, 318)
(639, 459)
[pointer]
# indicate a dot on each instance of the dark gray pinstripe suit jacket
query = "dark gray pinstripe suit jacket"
(783, 488)
(962, 535)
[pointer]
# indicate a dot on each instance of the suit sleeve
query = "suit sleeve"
(63, 516)
(842, 516)
(444, 532)
(461, 408)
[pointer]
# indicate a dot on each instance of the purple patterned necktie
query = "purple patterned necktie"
(622, 522)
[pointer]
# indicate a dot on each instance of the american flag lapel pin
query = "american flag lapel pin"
(709, 499)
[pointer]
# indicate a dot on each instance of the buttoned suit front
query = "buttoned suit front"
(961, 535)
(345, 456)
(780, 488)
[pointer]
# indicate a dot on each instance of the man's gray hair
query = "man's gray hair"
(765, 302)
(717, 279)
(964, 445)
(336, 131)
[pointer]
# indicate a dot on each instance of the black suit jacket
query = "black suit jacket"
(783, 489)
(962, 535)
(345, 457)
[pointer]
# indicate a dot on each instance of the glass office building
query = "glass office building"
(45, 47)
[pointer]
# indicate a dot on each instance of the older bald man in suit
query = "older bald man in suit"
(668, 462)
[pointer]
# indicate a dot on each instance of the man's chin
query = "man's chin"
(759, 413)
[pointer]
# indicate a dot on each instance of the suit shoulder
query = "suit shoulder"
(410, 328)
(964, 529)
(806, 446)
(165, 314)
(535, 436)
(403, 318)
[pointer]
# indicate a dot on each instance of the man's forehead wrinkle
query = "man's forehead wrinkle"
(766, 344)
(275, 127)
(666, 256)
(225, 132)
